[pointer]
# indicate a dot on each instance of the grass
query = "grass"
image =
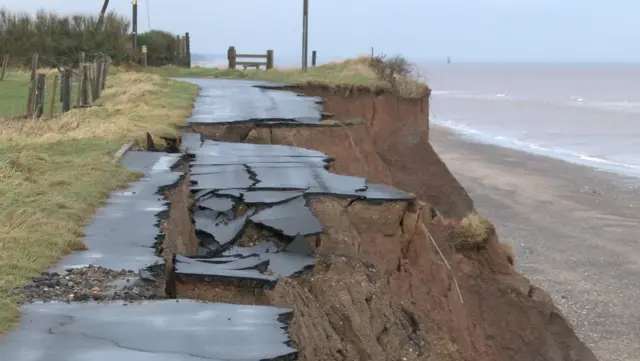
(357, 72)
(14, 91)
(55, 173)
(471, 232)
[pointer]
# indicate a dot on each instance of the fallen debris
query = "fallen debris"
(91, 284)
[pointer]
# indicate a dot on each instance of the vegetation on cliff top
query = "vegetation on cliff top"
(55, 173)
(376, 73)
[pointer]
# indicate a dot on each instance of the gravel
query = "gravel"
(91, 284)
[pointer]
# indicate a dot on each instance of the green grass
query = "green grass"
(55, 173)
(14, 92)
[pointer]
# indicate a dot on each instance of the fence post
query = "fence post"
(99, 77)
(52, 101)
(269, 59)
(231, 56)
(94, 80)
(5, 64)
(65, 91)
(80, 68)
(34, 84)
(39, 98)
(84, 86)
(313, 58)
(187, 45)
(105, 70)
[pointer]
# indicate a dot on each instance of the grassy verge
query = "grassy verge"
(370, 72)
(55, 173)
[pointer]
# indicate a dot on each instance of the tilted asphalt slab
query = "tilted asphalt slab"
(272, 181)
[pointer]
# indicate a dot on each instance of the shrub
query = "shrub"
(59, 39)
(162, 48)
(391, 69)
(472, 232)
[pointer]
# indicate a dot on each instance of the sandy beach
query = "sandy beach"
(575, 231)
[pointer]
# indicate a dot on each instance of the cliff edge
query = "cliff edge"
(405, 280)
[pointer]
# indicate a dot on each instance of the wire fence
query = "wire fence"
(50, 87)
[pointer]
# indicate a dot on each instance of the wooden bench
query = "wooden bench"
(233, 56)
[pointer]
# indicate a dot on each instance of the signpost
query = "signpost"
(144, 55)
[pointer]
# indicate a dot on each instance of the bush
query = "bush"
(162, 48)
(59, 39)
(392, 69)
(472, 232)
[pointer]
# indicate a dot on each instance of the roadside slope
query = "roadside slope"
(55, 173)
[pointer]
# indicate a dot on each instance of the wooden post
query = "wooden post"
(80, 68)
(34, 84)
(84, 86)
(231, 56)
(52, 99)
(105, 71)
(5, 64)
(305, 33)
(39, 97)
(134, 28)
(177, 53)
(187, 46)
(94, 80)
(313, 58)
(269, 59)
(65, 92)
(99, 70)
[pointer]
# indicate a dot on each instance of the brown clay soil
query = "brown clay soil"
(388, 284)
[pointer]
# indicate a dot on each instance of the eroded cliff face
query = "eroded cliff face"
(388, 284)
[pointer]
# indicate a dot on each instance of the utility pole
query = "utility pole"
(134, 28)
(305, 33)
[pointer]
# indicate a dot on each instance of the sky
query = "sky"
(423, 30)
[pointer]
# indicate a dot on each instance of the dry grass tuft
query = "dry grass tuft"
(55, 173)
(472, 232)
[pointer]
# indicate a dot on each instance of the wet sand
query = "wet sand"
(576, 232)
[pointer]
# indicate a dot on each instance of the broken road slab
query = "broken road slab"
(149, 331)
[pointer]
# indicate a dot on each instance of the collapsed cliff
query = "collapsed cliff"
(390, 283)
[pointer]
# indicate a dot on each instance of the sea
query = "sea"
(584, 114)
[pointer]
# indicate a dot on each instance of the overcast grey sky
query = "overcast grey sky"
(467, 30)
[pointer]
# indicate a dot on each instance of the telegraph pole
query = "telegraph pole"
(134, 28)
(305, 33)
